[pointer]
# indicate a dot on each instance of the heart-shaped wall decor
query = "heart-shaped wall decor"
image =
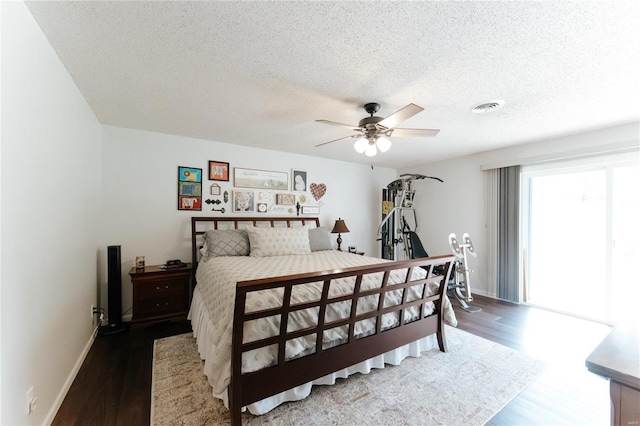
(318, 190)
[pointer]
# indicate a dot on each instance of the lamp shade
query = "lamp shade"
(371, 150)
(383, 144)
(340, 227)
(361, 145)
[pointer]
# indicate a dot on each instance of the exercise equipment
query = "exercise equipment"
(400, 240)
(460, 288)
(397, 205)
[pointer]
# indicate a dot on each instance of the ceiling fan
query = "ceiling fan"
(372, 132)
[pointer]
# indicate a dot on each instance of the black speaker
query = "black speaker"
(114, 292)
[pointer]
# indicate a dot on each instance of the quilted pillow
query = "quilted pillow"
(278, 241)
(319, 239)
(227, 242)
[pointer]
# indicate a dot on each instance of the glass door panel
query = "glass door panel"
(567, 242)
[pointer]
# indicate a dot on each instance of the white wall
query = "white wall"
(50, 220)
(458, 204)
(140, 171)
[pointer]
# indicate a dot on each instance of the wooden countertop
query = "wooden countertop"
(617, 357)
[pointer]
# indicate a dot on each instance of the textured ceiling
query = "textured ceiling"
(260, 73)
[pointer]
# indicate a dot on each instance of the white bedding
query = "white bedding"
(212, 315)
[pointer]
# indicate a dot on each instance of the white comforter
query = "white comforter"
(217, 278)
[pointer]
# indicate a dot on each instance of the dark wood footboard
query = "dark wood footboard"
(285, 374)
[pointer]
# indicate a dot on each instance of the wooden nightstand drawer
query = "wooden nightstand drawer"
(165, 305)
(161, 288)
(160, 294)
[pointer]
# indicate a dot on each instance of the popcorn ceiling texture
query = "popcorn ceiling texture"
(467, 385)
(260, 73)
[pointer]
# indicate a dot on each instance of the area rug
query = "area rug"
(467, 385)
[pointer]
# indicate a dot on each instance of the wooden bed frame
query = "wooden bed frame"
(247, 388)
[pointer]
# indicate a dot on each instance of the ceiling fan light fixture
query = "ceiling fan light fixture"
(371, 150)
(383, 144)
(361, 145)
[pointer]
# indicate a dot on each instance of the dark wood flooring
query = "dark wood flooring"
(113, 386)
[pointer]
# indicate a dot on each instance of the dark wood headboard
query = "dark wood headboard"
(202, 224)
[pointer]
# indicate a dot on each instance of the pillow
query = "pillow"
(319, 239)
(278, 241)
(227, 242)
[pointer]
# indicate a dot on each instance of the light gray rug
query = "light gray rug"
(467, 385)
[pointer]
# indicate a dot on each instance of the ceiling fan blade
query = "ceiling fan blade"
(407, 133)
(399, 116)
(339, 139)
(333, 123)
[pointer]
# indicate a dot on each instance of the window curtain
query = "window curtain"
(491, 197)
(508, 231)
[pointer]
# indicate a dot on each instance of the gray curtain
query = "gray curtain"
(508, 232)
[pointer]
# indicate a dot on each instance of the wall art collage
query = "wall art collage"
(250, 191)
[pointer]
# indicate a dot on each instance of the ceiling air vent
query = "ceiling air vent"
(487, 107)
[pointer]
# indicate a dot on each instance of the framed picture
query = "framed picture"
(215, 189)
(310, 210)
(189, 188)
(285, 199)
(263, 179)
(262, 207)
(189, 174)
(298, 180)
(243, 201)
(218, 170)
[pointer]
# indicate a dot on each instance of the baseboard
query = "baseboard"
(67, 384)
(482, 293)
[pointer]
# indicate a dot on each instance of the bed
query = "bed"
(287, 312)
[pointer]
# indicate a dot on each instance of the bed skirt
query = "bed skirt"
(202, 331)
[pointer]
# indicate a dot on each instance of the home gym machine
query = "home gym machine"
(397, 204)
(400, 241)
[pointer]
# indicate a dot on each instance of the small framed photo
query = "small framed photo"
(285, 199)
(353, 249)
(310, 210)
(243, 201)
(219, 170)
(262, 207)
(299, 180)
(215, 189)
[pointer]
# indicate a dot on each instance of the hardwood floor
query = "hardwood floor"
(113, 386)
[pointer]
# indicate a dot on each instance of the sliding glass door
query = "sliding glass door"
(580, 237)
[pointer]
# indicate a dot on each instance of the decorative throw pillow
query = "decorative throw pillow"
(278, 241)
(227, 242)
(319, 239)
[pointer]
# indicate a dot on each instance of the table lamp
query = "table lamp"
(339, 228)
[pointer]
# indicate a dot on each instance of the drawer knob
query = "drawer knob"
(166, 286)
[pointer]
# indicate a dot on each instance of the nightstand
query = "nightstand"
(160, 294)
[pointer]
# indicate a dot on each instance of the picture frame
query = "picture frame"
(215, 189)
(243, 201)
(189, 174)
(262, 179)
(310, 210)
(189, 188)
(298, 180)
(219, 170)
(285, 199)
